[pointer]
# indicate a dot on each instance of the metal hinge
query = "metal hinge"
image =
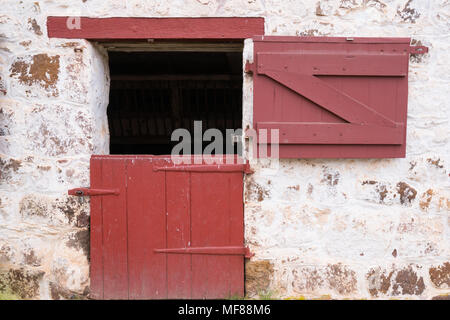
(82, 192)
(418, 49)
(248, 67)
(209, 168)
(227, 250)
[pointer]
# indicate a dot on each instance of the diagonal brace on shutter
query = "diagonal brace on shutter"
(330, 98)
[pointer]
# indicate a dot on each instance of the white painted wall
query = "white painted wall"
(329, 227)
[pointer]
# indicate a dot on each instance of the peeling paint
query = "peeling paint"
(440, 275)
(396, 281)
(408, 13)
(406, 192)
(43, 70)
(335, 277)
(426, 199)
(35, 27)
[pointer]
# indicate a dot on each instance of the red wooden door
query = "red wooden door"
(167, 231)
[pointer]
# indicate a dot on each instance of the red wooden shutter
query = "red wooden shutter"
(332, 97)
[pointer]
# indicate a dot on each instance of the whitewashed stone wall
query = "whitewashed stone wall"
(333, 228)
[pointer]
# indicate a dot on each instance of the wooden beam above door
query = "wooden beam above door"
(154, 28)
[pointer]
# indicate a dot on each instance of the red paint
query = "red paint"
(146, 202)
(332, 97)
(92, 192)
(167, 234)
(248, 67)
(334, 133)
(341, 64)
(115, 232)
(178, 195)
(418, 49)
(371, 40)
(224, 250)
(96, 236)
(156, 28)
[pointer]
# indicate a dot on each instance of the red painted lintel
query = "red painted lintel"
(154, 28)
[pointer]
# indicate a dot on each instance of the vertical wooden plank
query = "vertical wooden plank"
(402, 110)
(325, 115)
(146, 230)
(178, 234)
(96, 236)
(383, 102)
(236, 231)
(214, 275)
(115, 231)
(201, 264)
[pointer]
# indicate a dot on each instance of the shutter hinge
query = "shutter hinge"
(81, 192)
(418, 49)
(248, 67)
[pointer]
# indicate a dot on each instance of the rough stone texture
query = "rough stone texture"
(328, 227)
(24, 284)
(385, 222)
(331, 279)
(59, 293)
(53, 99)
(258, 275)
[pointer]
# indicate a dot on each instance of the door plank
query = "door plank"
(236, 231)
(146, 230)
(115, 264)
(214, 276)
(96, 233)
(178, 234)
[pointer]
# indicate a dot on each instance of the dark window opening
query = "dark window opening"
(154, 93)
